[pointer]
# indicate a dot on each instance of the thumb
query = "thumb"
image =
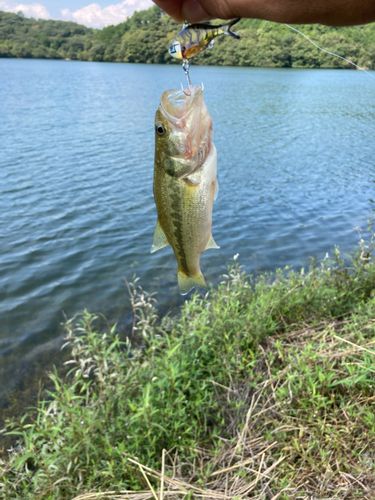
(193, 12)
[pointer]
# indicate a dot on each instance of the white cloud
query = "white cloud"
(96, 17)
(36, 10)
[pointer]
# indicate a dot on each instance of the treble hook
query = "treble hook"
(183, 90)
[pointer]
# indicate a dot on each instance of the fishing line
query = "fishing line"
(331, 53)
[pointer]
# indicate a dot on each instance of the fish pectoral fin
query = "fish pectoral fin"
(187, 283)
(194, 179)
(160, 240)
(216, 190)
(178, 167)
(211, 243)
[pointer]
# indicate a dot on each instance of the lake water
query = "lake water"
(295, 165)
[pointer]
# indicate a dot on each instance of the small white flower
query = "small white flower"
(235, 257)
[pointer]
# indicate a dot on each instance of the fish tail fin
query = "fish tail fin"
(227, 28)
(187, 283)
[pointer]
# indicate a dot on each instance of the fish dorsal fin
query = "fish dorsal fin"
(211, 243)
(187, 283)
(160, 240)
(216, 191)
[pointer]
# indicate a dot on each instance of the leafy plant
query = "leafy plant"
(262, 387)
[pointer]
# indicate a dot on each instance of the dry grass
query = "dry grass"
(262, 390)
(260, 464)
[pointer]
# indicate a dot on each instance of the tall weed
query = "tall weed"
(253, 359)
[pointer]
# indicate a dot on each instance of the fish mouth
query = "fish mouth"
(191, 123)
(176, 105)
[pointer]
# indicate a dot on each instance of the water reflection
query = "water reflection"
(296, 173)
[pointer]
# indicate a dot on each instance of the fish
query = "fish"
(185, 182)
(195, 38)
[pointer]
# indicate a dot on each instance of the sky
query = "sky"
(96, 15)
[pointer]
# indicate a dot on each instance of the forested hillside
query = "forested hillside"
(27, 38)
(144, 38)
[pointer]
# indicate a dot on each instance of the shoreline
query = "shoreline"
(195, 64)
(267, 378)
(145, 37)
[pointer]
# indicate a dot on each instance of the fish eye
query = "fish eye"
(160, 129)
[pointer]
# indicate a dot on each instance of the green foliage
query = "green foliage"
(29, 38)
(286, 360)
(145, 37)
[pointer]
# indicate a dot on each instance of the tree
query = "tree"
(144, 38)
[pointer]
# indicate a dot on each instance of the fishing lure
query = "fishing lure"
(195, 38)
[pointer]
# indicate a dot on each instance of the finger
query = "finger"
(171, 7)
(193, 12)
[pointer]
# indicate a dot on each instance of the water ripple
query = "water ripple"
(296, 173)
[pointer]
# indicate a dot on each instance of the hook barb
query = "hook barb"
(183, 90)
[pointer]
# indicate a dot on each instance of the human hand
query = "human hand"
(331, 12)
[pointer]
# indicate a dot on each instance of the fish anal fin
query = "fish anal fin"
(211, 243)
(187, 283)
(160, 240)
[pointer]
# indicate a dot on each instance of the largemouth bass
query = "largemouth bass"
(185, 183)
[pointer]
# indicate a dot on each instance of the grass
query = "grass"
(262, 389)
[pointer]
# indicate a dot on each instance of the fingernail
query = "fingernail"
(193, 12)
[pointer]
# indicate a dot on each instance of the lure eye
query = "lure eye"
(160, 129)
